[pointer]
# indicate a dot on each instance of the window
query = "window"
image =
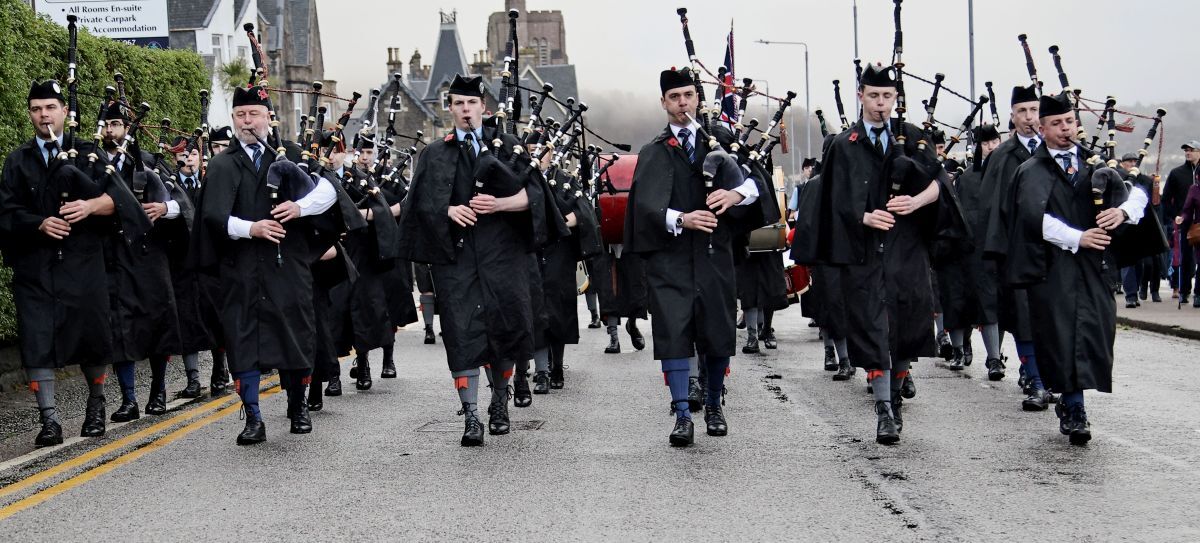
(543, 52)
(445, 101)
(243, 52)
(218, 51)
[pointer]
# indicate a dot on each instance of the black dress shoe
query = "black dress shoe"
(844, 371)
(715, 420)
(885, 429)
(681, 435)
(354, 369)
(595, 321)
(1130, 305)
(217, 389)
(945, 347)
(93, 419)
(1064, 419)
(1037, 400)
(157, 405)
(995, 369)
(498, 423)
(315, 402)
(522, 396)
(897, 407)
(51, 434)
(254, 432)
(956, 359)
(473, 430)
(908, 388)
(541, 383)
(1143, 293)
(751, 346)
(614, 342)
(557, 379)
(430, 339)
(1022, 381)
(1081, 429)
(389, 370)
(334, 388)
(363, 381)
(635, 335)
(192, 390)
(831, 361)
(968, 355)
(768, 339)
(127, 412)
(696, 395)
(301, 422)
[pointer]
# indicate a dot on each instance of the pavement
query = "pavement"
(1165, 317)
(591, 462)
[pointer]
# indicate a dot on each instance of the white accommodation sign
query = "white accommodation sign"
(142, 22)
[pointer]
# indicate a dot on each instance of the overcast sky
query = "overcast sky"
(1131, 49)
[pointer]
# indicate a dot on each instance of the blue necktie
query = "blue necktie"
(257, 155)
(685, 139)
(1065, 158)
(1032, 145)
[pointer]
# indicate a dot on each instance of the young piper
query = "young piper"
(1056, 250)
(479, 242)
(686, 238)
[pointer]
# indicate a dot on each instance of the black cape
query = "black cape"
(1012, 303)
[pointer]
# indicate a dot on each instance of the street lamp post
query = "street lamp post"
(807, 108)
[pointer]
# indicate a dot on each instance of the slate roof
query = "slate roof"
(448, 59)
(188, 14)
(298, 16)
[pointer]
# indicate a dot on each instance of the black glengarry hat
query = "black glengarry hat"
(1054, 105)
(45, 90)
(1021, 95)
(674, 79)
(986, 132)
(253, 96)
(221, 134)
(878, 75)
(467, 87)
(114, 111)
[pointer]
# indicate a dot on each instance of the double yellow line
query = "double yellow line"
(195, 419)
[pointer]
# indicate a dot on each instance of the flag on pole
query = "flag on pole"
(727, 94)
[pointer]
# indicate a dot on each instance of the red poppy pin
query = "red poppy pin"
(449, 138)
(262, 94)
(673, 142)
(853, 137)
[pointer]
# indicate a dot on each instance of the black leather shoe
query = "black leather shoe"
(715, 420)
(157, 404)
(751, 346)
(51, 434)
(541, 383)
(363, 380)
(995, 369)
(301, 422)
(1130, 305)
(1064, 419)
(127, 412)
(595, 321)
(1022, 381)
(430, 339)
(696, 394)
(956, 359)
(635, 335)
(315, 401)
(557, 379)
(192, 390)
(1037, 400)
(768, 339)
(93, 419)
(498, 423)
(681, 435)
(1081, 429)
(885, 429)
(1143, 293)
(522, 396)
(614, 342)
(334, 388)
(968, 355)
(945, 348)
(354, 369)
(254, 432)
(844, 371)
(908, 388)
(831, 361)
(473, 428)
(897, 408)
(389, 370)
(217, 389)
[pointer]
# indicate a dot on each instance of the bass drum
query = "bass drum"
(613, 190)
(772, 237)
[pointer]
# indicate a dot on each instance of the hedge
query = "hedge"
(33, 47)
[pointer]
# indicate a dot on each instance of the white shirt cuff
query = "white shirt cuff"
(672, 218)
(748, 190)
(1060, 234)
(1135, 206)
(319, 200)
(238, 228)
(172, 209)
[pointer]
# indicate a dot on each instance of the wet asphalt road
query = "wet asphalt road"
(591, 462)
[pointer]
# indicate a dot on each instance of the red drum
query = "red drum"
(612, 206)
(797, 279)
